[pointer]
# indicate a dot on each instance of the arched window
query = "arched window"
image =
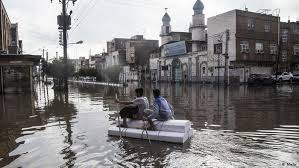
(203, 70)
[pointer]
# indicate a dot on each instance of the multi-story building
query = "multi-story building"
(248, 39)
(116, 50)
(289, 40)
(13, 48)
(83, 63)
(9, 34)
(5, 30)
(131, 54)
(138, 51)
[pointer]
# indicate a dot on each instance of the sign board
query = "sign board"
(218, 48)
(173, 49)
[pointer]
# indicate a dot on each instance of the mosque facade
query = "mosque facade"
(182, 56)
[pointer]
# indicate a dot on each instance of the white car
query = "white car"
(285, 76)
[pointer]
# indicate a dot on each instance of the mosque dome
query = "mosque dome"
(166, 18)
(198, 7)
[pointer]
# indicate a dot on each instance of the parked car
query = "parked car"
(296, 77)
(260, 79)
(285, 76)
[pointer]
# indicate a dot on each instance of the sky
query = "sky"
(97, 21)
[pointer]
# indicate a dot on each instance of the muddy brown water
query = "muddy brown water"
(235, 127)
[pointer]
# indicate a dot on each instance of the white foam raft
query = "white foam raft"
(173, 131)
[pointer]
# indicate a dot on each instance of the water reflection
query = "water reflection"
(236, 127)
(20, 118)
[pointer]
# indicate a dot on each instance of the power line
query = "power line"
(84, 16)
(82, 12)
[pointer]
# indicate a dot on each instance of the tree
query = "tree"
(56, 70)
(91, 72)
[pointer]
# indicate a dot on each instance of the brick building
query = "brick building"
(289, 54)
(249, 39)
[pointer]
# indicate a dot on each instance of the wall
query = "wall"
(217, 26)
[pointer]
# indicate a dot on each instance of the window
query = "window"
(296, 49)
(284, 35)
(244, 46)
(203, 70)
(259, 48)
(296, 30)
(284, 55)
(273, 49)
(251, 24)
(167, 29)
(267, 27)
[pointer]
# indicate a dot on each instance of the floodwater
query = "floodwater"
(235, 127)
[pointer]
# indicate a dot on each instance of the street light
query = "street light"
(78, 42)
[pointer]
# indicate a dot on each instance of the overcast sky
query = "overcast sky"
(98, 21)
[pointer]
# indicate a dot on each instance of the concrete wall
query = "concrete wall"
(217, 26)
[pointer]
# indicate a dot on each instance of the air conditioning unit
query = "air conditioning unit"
(245, 51)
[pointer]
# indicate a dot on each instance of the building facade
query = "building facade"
(183, 55)
(5, 26)
(9, 34)
(289, 51)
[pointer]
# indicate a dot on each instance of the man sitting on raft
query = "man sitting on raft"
(134, 109)
(161, 110)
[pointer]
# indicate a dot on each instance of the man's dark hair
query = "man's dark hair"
(156, 92)
(139, 91)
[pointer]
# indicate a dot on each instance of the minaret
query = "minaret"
(165, 29)
(198, 25)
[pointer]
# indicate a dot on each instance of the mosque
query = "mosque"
(182, 56)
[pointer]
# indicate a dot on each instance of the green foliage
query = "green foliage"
(91, 72)
(57, 69)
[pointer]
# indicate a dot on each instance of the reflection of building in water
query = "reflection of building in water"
(17, 112)
(203, 105)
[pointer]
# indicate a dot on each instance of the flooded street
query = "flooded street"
(236, 127)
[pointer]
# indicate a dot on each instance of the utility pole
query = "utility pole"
(65, 26)
(64, 22)
(278, 43)
(218, 69)
(42, 65)
(226, 68)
